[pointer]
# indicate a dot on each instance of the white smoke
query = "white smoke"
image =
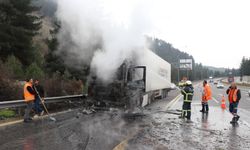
(98, 33)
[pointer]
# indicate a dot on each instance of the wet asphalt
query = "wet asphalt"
(207, 131)
(159, 128)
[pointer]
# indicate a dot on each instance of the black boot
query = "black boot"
(237, 117)
(234, 120)
(203, 108)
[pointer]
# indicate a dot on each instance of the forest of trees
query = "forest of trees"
(25, 53)
(173, 55)
(245, 67)
(23, 56)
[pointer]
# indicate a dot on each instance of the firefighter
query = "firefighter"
(234, 96)
(187, 93)
(182, 82)
(206, 96)
(29, 97)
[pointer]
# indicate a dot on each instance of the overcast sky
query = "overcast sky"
(215, 32)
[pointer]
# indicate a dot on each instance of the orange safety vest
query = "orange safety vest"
(27, 95)
(207, 94)
(232, 97)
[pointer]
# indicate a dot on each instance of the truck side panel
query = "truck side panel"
(158, 72)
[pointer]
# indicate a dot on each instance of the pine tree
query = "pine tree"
(18, 24)
(14, 67)
(53, 62)
(34, 71)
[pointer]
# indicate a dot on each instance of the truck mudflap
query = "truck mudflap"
(149, 97)
(145, 100)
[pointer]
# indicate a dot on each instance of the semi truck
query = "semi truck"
(137, 82)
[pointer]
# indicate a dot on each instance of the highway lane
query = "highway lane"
(244, 105)
(160, 128)
(76, 130)
(207, 131)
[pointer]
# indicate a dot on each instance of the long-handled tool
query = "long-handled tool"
(50, 117)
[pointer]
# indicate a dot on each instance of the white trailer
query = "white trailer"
(158, 76)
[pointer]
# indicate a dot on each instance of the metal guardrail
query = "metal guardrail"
(20, 103)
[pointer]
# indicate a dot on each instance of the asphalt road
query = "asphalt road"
(74, 130)
(157, 128)
(244, 105)
(207, 131)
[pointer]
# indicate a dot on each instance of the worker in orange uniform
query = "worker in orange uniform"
(29, 97)
(206, 96)
(234, 96)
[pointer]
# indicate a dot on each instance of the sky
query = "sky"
(215, 32)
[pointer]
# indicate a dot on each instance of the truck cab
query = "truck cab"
(135, 83)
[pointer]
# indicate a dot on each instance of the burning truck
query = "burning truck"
(137, 83)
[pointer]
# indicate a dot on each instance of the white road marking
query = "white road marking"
(170, 104)
(39, 118)
(215, 100)
(176, 102)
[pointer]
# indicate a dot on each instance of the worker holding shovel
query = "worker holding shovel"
(40, 90)
(42, 101)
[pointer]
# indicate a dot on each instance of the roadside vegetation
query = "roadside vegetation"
(29, 49)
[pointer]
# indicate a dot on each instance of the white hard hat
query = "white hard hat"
(188, 82)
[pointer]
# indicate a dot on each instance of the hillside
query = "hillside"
(33, 34)
(216, 69)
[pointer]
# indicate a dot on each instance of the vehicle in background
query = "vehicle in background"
(211, 79)
(249, 93)
(215, 82)
(137, 82)
(220, 86)
(230, 78)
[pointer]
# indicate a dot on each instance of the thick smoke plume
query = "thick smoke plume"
(98, 33)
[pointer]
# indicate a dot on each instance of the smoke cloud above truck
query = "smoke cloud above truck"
(93, 32)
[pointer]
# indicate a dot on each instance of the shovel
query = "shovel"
(50, 117)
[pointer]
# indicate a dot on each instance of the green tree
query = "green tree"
(53, 62)
(34, 71)
(245, 66)
(14, 67)
(18, 26)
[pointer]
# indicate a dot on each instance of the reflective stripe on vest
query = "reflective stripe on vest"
(234, 94)
(187, 94)
(27, 95)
